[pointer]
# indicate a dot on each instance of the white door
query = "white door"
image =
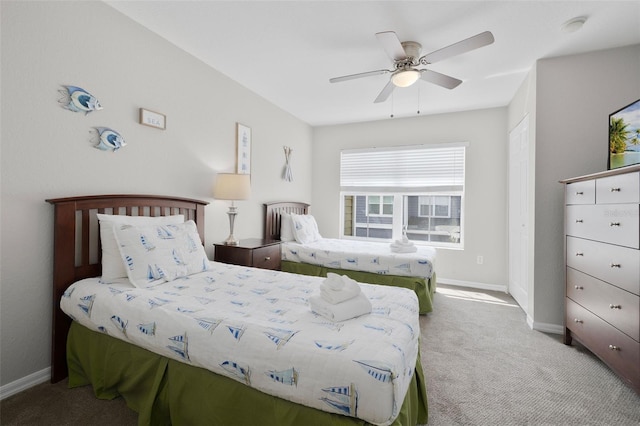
(519, 213)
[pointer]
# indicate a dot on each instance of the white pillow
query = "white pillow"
(160, 252)
(305, 228)
(286, 228)
(112, 266)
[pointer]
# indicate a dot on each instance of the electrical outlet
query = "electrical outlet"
(480, 260)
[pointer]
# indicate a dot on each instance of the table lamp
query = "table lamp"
(231, 186)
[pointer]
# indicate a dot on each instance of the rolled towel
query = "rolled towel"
(333, 282)
(338, 288)
(352, 308)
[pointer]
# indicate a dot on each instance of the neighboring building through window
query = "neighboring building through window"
(418, 190)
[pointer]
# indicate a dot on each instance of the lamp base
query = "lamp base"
(231, 240)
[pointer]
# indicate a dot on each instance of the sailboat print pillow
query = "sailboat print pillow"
(159, 253)
(112, 267)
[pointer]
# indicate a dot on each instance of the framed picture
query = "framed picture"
(243, 141)
(153, 119)
(624, 136)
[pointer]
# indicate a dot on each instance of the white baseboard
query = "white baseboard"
(471, 284)
(25, 383)
(546, 328)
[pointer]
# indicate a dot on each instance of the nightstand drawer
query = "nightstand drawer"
(267, 257)
(253, 252)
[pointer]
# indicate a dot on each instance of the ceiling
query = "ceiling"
(286, 51)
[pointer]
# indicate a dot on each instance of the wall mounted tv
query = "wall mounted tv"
(624, 136)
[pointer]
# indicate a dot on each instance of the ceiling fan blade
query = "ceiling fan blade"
(360, 75)
(384, 95)
(475, 42)
(440, 79)
(391, 44)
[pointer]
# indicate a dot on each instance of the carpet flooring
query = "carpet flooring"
(483, 366)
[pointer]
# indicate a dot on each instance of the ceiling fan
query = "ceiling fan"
(406, 58)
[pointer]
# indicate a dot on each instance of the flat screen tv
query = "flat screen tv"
(624, 136)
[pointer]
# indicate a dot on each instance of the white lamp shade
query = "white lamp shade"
(231, 186)
(405, 78)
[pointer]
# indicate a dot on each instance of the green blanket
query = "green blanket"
(424, 289)
(164, 391)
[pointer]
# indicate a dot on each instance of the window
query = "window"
(417, 190)
(380, 205)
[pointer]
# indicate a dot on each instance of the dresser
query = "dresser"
(602, 254)
(255, 252)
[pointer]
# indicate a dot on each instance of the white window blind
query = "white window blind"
(409, 167)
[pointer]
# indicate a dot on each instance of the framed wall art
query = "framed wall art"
(243, 141)
(153, 119)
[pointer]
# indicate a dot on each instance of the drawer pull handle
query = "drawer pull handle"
(615, 307)
(614, 348)
(615, 189)
(614, 224)
(615, 265)
(579, 287)
(579, 321)
(267, 258)
(579, 221)
(579, 192)
(579, 253)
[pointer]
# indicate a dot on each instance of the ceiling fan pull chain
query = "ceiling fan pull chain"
(419, 92)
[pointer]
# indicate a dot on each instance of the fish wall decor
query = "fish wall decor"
(107, 139)
(77, 99)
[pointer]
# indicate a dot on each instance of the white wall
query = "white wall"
(485, 186)
(46, 152)
(575, 95)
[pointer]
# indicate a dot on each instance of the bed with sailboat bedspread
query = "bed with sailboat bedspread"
(189, 341)
(411, 267)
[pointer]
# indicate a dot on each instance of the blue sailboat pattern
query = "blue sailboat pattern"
(333, 345)
(280, 336)
(287, 377)
(236, 331)
(120, 324)
(378, 370)
(342, 398)
(238, 371)
(149, 328)
(68, 292)
(180, 346)
(208, 324)
(164, 233)
(146, 244)
(86, 304)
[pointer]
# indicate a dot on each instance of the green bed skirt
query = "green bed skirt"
(164, 392)
(424, 288)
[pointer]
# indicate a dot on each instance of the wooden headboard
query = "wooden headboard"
(272, 212)
(76, 245)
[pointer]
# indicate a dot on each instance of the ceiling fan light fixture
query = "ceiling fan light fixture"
(405, 78)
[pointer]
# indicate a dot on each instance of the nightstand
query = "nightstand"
(255, 252)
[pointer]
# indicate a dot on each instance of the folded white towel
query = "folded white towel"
(352, 308)
(403, 248)
(338, 288)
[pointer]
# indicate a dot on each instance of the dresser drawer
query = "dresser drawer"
(615, 348)
(618, 189)
(618, 307)
(267, 257)
(611, 223)
(616, 265)
(580, 192)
